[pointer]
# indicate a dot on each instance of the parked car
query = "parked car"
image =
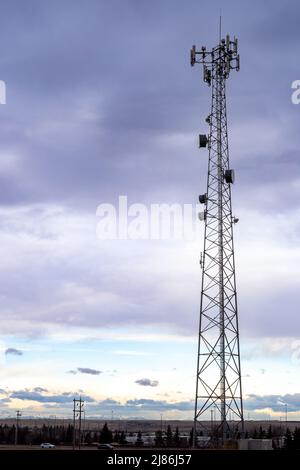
(47, 445)
(105, 446)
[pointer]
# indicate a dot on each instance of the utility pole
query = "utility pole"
(18, 416)
(218, 378)
(83, 431)
(74, 424)
(81, 404)
(78, 409)
(280, 424)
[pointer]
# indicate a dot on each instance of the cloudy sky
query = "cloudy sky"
(102, 102)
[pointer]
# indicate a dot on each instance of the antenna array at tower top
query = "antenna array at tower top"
(226, 53)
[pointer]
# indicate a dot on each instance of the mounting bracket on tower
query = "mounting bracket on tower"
(201, 260)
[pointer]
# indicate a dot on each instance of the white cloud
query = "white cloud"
(75, 280)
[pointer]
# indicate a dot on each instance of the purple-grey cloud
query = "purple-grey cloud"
(66, 397)
(142, 405)
(275, 402)
(129, 126)
(13, 352)
(85, 370)
(91, 99)
(147, 382)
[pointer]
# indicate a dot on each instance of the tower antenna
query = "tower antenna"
(218, 378)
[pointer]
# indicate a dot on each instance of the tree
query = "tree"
(262, 433)
(139, 441)
(122, 438)
(88, 438)
(169, 436)
(69, 434)
(191, 439)
(296, 436)
(159, 442)
(106, 435)
(45, 434)
(11, 434)
(176, 437)
(288, 439)
(270, 432)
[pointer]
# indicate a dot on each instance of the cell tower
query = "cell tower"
(218, 382)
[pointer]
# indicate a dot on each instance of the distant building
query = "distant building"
(255, 444)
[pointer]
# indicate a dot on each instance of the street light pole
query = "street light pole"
(19, 414)
(74, 423)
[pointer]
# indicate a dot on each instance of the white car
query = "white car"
(47, 445)
(105, 446)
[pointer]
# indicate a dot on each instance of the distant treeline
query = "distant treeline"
(54, 434)
(291, 439)
(63, 435)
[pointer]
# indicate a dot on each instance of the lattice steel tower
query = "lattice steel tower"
(218, 383)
